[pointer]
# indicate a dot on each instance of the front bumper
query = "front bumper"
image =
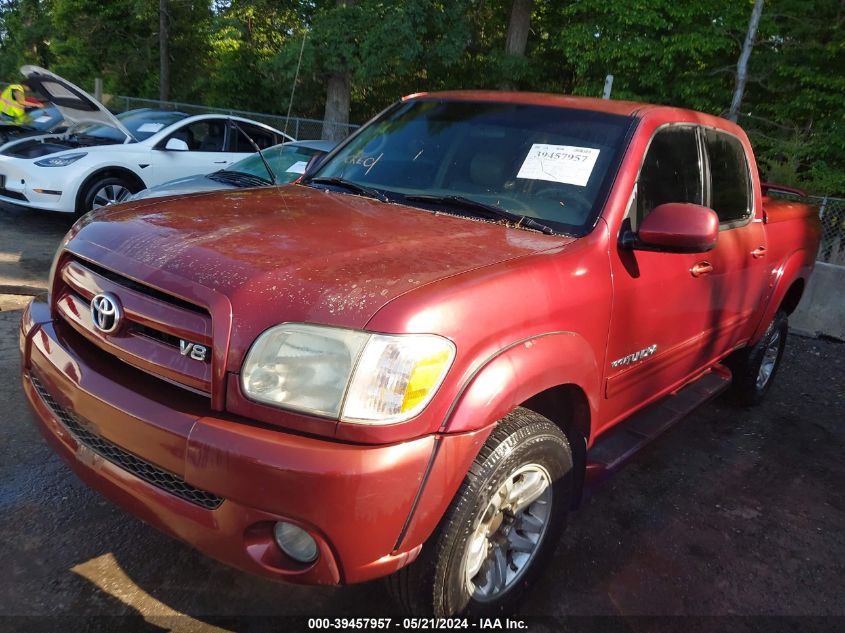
(354, 500)
(28, 185)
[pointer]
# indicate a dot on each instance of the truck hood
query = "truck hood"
(295, 253)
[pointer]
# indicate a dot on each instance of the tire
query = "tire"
(102, 191)
(456, 566)
(754, 368)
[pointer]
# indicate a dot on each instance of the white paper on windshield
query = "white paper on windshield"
(298, 167)
(43, 118)
(559, 163)
(150, 127)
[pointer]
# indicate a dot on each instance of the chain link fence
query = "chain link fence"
(297, 127)
(832, 216)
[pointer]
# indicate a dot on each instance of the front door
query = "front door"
(205, 153)
(662, 302)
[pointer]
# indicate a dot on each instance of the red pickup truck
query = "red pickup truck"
(413, 361)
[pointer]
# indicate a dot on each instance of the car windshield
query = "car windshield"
(142, 123)
(549, 163)
(43, 118)
(287, 162)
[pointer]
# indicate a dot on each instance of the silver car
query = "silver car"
(287, 160)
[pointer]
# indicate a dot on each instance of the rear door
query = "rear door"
(740, 264)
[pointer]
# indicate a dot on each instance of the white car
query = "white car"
(102, 158)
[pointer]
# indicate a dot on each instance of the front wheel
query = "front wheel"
(103, 192)
(501, 528)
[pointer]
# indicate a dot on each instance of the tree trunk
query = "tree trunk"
(164, 55)
(742, 64)
(338, 96)
(518, 27)
(337, 107)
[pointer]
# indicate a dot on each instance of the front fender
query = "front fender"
(518, 372)
(523, 370)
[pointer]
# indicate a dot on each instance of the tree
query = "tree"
(742, 64)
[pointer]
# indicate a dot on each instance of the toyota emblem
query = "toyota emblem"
(106, 312)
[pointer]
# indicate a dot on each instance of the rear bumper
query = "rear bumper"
(354, 500)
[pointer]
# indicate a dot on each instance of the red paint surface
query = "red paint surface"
(527, 312)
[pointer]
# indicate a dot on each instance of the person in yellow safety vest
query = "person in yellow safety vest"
(12, 102)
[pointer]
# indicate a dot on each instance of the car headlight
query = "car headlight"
(60, 161)
(354, 376)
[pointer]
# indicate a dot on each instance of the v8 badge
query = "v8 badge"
(193, 350)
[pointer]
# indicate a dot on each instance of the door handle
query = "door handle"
(221, 162)
(701, 268)
(758, 252)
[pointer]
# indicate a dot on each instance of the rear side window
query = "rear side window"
(670, 171)
(730, 178)
(240, 144)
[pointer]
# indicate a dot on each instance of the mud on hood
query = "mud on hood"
(300, 254)
(72, 101)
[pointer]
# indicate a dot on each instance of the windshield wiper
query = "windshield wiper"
(485, 210)
(257, 149)
(239, 178)
(352, 186)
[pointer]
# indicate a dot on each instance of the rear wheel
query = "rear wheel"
(501, 528)
(104, 191)
(754, 367)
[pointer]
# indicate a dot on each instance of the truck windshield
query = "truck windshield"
(549, 163)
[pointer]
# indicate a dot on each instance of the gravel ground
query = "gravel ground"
(732, 513)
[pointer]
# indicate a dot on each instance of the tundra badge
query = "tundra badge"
(194, 350)
(631, 358)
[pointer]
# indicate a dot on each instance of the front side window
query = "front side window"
(207, 135)
(548, 163)
(671, 171)
(730, 188)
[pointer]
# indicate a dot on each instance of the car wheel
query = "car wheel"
(103, 192)
(754, 367)
(501, 528)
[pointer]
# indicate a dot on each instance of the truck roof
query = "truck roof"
(611, 106)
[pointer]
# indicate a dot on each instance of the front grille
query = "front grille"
(154, 324)
(119, 457)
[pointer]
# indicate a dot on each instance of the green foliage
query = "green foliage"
(244, 54)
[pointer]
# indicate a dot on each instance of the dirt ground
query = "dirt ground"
(736, 513)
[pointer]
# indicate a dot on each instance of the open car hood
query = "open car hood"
(73, 102)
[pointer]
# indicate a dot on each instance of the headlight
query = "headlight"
(60, 161)
(355, 376)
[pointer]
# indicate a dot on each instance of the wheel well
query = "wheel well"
(135, 182)
(568, 408)
(792, 296)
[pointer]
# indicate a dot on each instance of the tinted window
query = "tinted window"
(207, 135)
(670, 171)
(730, 181)
(239, 143)
(544, 162)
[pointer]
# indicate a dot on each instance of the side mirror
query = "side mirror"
(177, 145)
(677, 227)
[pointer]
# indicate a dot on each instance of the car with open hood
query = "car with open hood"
(102, 158)
(276, 165)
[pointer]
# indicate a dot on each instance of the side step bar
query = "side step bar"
(614, 448)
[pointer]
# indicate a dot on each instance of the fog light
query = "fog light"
(295, 542)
